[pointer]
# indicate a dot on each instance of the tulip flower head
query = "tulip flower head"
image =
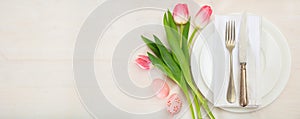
(181, 14)
(143, 62)
(203, 16)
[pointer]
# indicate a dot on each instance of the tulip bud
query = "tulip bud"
(143, 62)
(181, 14)
(203, 16)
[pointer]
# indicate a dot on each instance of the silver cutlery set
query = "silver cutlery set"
(230, 43)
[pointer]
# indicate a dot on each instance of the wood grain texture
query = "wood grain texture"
(36, 48)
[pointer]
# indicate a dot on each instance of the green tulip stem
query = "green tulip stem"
(181, 31)
(203, 102)
(187, 95)
(192, 36)
(197, 105)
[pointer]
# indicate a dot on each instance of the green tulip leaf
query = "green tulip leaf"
(152, 46)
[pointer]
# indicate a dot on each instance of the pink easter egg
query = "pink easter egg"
(162, 87)
(174, 104)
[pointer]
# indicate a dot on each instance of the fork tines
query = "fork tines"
(230, 27)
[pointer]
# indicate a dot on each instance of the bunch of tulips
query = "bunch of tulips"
(175, 62)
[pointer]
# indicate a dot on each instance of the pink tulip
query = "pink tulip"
(181, 14)
(203, 16)
(143, 62)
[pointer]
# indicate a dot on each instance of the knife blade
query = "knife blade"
(243, 40)
(243, 45)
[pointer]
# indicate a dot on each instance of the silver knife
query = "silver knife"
(243, 45)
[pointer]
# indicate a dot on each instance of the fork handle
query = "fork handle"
(243, 86)
(231, 96)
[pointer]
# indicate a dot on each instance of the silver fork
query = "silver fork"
(230, 44)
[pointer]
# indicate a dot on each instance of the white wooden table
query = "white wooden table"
(37, 41)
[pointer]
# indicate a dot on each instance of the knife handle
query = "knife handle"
(243, 86)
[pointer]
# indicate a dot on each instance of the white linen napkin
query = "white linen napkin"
(220, 85)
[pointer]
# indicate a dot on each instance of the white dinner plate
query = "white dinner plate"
(208, 59)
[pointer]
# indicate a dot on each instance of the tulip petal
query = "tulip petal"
(203, 16)
(143, 62)
(181, 14)
(145, 58)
